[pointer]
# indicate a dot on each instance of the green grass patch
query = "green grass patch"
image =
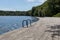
(57, 15)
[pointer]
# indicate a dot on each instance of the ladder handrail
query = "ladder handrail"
(28, 20)
(23, 23)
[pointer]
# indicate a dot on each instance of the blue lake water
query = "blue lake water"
(9, 23)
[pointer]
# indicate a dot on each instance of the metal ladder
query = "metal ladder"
(27, 22)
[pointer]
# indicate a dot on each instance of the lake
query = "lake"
(9, 23)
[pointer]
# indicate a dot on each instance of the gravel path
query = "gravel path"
(36, 32)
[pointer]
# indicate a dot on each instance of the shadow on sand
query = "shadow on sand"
(35, 19)
(55, 31)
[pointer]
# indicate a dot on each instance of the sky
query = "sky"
(19, 5)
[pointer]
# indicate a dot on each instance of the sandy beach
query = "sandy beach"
(34, 32)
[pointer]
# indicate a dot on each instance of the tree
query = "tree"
(51, 7)
(33, 10)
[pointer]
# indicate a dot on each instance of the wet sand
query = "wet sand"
(34, 32)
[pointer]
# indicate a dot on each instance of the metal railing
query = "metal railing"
(27, 22)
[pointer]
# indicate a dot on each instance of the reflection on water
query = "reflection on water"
(9, 23)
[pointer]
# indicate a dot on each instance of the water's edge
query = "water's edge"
(34, 20)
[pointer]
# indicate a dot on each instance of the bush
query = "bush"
(57, 15)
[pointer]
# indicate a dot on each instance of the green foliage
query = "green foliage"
(39, 10)
(48, 8)
(11, 13)
(57, 15)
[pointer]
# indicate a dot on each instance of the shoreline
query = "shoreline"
(34, 32)
(21, 27)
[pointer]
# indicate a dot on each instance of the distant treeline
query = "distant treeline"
(12, 13)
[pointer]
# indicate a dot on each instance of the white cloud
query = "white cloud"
(31, 0)
(36, 1)
(41, 1)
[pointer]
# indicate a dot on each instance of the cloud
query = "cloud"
(37, 1)
(41, 1)
(30, 0)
